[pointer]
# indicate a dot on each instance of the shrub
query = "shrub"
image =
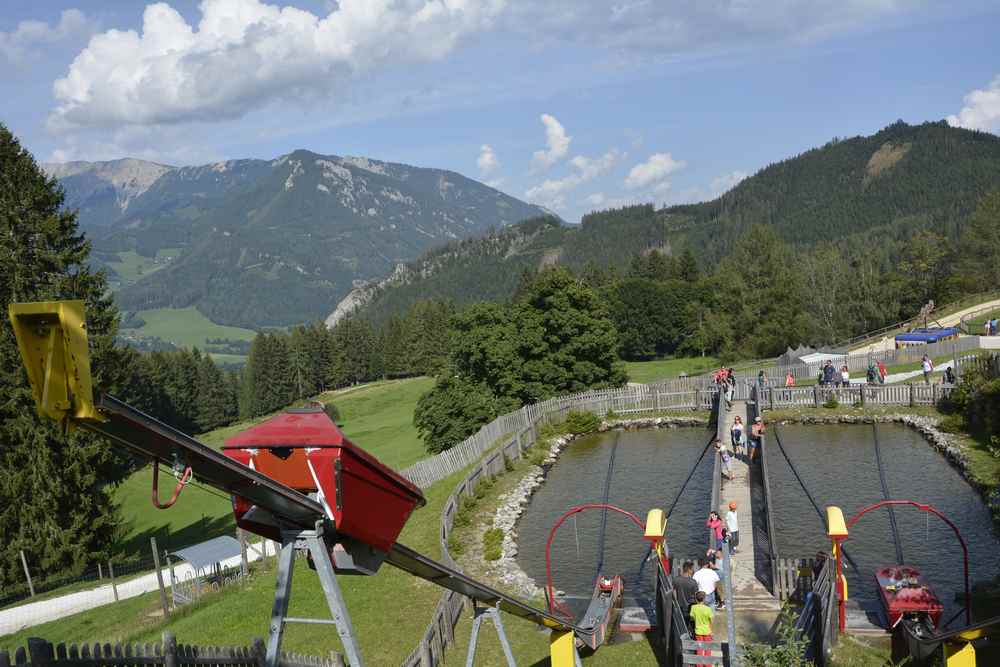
(580, 422)
(831, 403)
(332, 412)
(455, 546)
(538, 454)
(547, 431)
(954, 423)
(786, 652)
(484, 487)
(493, 544)
(508, 465)
(463, 516)
(611, 415)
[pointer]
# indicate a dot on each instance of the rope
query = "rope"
(670, 510)
(604, 515)
(812, 500)
(887, 496)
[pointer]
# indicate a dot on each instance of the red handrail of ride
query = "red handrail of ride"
(177, 489)
(552, 533)
(928, 508)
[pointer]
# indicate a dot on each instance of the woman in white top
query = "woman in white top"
(845, 376)
(737, 436)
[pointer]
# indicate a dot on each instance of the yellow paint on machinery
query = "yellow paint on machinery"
(959, 655)
(52, 339)
(562, 649)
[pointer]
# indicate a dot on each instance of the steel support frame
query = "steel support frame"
(481, 614)
(312, 542)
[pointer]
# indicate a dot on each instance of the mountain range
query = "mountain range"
(872, 193)
(257, 243)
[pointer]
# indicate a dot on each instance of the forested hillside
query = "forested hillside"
(257, 243)
(853, 204)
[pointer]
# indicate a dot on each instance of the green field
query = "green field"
(667, 369)
(187, 327)
(377, 416)
(132, 266)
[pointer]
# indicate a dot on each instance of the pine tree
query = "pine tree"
(56, 498)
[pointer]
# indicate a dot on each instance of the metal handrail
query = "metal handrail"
(765, 480)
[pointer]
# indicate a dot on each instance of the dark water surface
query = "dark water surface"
(650, 467)
(837, 464)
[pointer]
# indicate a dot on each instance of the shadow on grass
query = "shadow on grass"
(198, 531)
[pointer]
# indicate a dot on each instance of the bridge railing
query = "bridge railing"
(765, 542)
(914, 393)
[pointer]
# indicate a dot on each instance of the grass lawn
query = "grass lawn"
(975, 325)
(666, 369)
(391, 600)
(377, 416)
(131, 266)
(187, 327)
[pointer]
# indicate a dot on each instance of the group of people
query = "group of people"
(990, 327)
(744, 444)
(829, 376)
(876, 372)
(700, 592)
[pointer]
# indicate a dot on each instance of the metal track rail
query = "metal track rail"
(887, 496)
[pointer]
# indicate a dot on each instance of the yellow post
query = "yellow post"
(52, 339)
(959, 655)
(836, 530)
(562, 648)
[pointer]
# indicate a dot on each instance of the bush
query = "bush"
(493, 544)
(786, 652)
(580, 422)
(539, 453)
(611, 415)
(332, 412)
(455, 546)
(508, 465)
(831, 403)
(954, 423)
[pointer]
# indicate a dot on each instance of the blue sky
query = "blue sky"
(573, 104)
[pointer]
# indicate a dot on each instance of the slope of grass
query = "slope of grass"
(667, 369)
(131, 265)
(390, 611)
(377, 417)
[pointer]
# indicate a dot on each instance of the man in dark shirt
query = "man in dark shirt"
(686, 588)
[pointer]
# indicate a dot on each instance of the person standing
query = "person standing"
(756, 432)
(987, 327)
(726, 458)
(738, 436)
(845, 376)
(949, 376)
(882, 372)
(928, 367)
(707, 579)
(686, 588)
(714, 524)
(733, 526)
(701, 614)
(829, 373)
(789, 379)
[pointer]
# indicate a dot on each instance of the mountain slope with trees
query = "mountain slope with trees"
(273, 242)
(857, 205)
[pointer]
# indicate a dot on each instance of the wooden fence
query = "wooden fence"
(167, 653)
(632, 399)
(818, 622)
(914, 393)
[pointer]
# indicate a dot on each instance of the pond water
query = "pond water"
(649, 469)
(837, 464)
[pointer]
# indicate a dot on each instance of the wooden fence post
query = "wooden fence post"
(816, 395)
(338, 659)
(863, 391)
(169, 650)
(159, 579)
(114, 586)
(244, 564)
(912, 397)
(425, 654)
(40, 652)
(100, 572)
(27, 574)
(258, 649)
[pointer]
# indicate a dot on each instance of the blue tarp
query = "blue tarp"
(927, 335)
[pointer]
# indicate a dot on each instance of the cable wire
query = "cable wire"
(604, 516)
(812, 500)
(887, 496)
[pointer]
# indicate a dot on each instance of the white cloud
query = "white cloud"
(981, 110)
(726, 182)
(552, 192)
(557, 141)
(487, 161)
(653, 172)
(245, 54)
(596, 199)
(21, 42)
(696, 28)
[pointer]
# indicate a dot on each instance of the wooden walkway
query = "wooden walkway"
(749, 593)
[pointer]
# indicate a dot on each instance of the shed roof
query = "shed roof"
(209, 553)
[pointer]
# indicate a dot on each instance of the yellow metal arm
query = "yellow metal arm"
(52, 339)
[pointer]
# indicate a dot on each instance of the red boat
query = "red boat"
(905, 593)
(302, 448)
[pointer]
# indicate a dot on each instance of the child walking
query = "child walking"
(733, 526)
